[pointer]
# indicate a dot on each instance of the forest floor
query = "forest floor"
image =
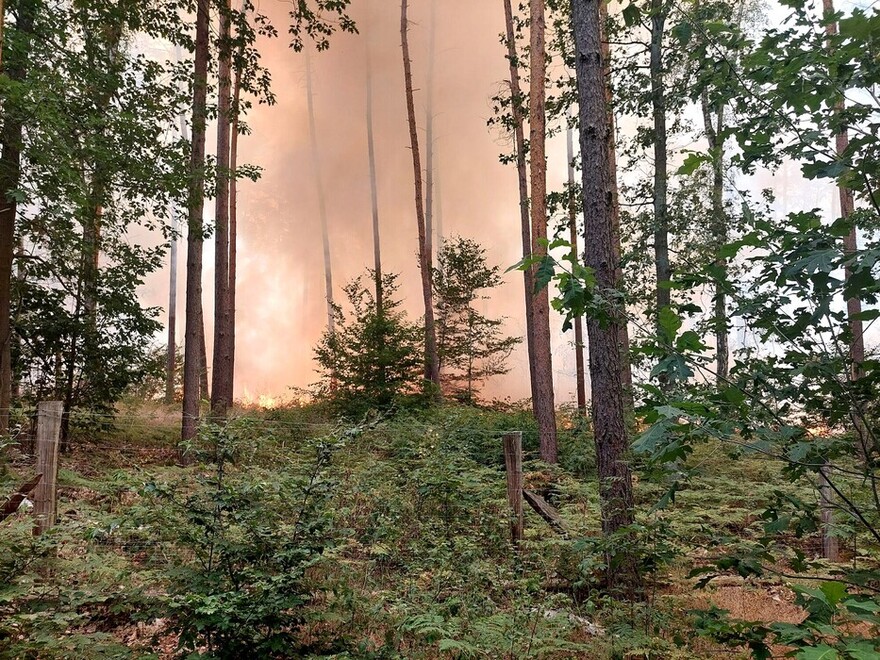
(407, 531)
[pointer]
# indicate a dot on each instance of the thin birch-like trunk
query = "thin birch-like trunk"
(322, 201)
(516, 97)
(432, 362)
(374, 189)
(578, 322)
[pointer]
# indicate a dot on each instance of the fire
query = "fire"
(261, 401)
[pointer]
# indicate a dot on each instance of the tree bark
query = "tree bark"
(322, 202)
(194, 363)
(606, 363)
(233, 228)
(623, 331)
(864, 443)
(523, 181)
(374, 190)
(541, 304)
(429, 137)
(11, 139)
(220, 374)
(171, 354)
(661, 179)
(432, 362)
(713, 129)
(578, 322)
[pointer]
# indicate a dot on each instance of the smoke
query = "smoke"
(281, 306)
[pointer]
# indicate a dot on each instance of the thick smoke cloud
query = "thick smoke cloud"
(281, 309)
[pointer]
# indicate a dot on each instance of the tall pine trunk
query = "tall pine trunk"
(11, 138)
(432, 361)
(543, 394)
(322, 201)
(661, 177)
(233, 227)
(194, 355)
(374, 190)
(429, 137)
(611, 146)
(516, 97)
(221, 373)
(578, 322)
(606, 353)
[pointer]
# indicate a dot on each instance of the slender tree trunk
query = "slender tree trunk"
(578, 322)
(432, 362)
(713, 129)
(11, 139)
(429, 137)
(233, 228)
(853, 310)
(171, 354)
(623, 331)
(541, 303)
(322, 202)
(194, 358)
(220, 374)
(374, 190)
(661, 179)
(516, 98)
(606, 361)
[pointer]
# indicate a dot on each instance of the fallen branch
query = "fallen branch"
(18, 497)
(547, 512)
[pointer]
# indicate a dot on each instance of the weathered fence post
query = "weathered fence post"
(513, 464)
(48, 436)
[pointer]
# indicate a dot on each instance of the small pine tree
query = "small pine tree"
(374, 356)
(472, 347)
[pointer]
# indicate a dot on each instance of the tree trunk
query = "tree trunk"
(606, 363)
(194, 363)
(233, 229)
(322, 202)
(623, 331)
(713, 131)
(853, 310)
(578, 322)
(432, 362)
(220, 374)
(374, 190)
(171, 354)
(429, 137)
(661, 181)
(10, 174)
(523, 181)
(541, 304)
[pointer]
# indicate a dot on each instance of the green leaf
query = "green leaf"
(670, 323)
(631, 14)
(821, 652)
(683, 32)
(834, 592)
(692, 163)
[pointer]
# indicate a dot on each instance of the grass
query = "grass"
(417, 562)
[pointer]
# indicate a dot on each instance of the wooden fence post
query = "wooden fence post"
(513, 464)
(48, 436)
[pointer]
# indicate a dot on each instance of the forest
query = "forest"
(440, 329)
